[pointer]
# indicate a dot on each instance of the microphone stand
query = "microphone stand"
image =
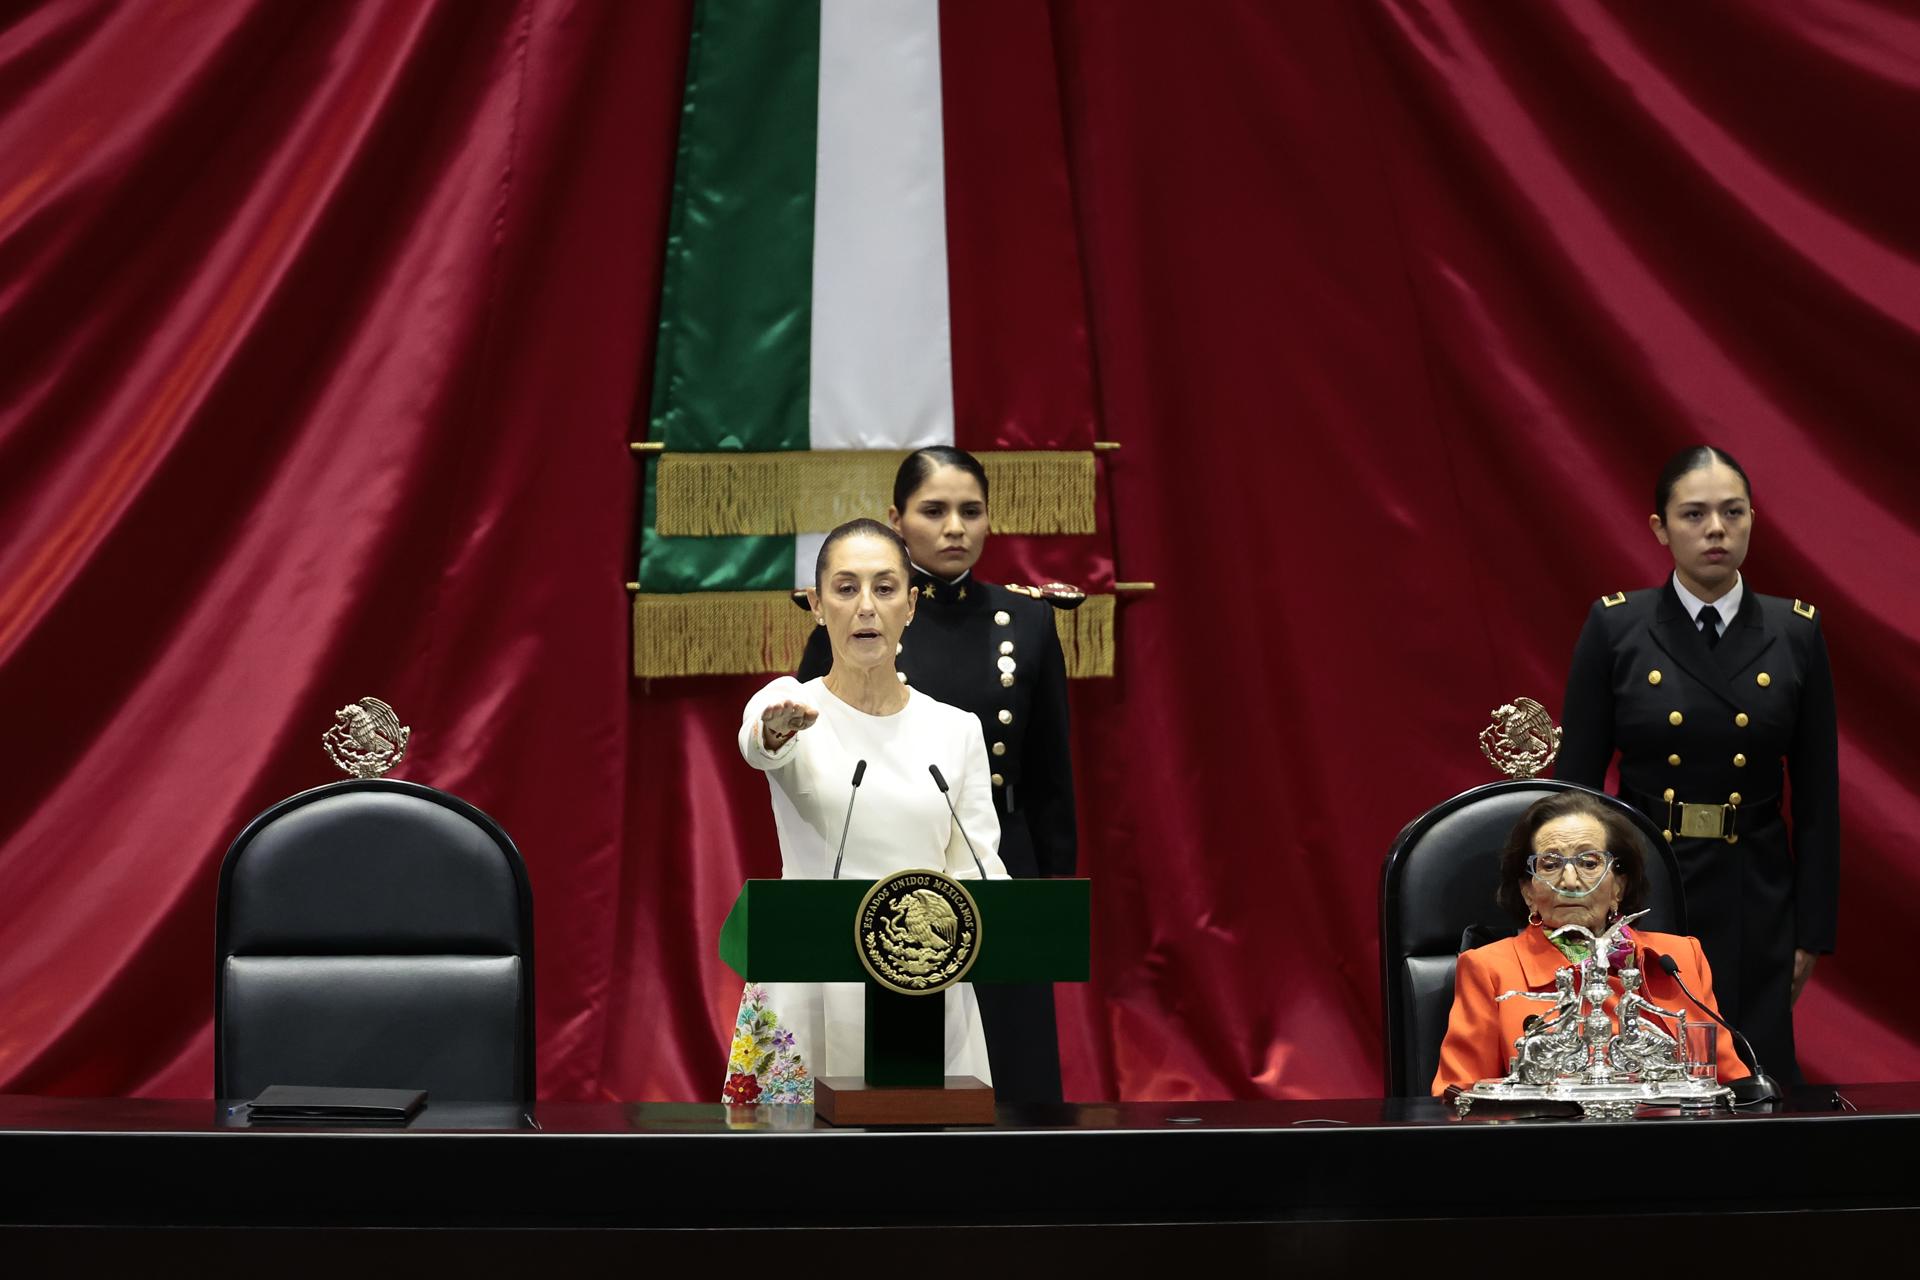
(960, 826)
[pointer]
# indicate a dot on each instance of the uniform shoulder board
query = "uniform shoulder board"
(1802, 608)
(1618, 597)
(1057, 594)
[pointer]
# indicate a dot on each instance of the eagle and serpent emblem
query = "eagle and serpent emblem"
(367, 739)
(918, 932)
(1522, 740)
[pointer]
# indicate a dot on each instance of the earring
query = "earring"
(819, 619)
(1533, 917)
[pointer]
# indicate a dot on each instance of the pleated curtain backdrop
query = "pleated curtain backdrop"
(326, 328)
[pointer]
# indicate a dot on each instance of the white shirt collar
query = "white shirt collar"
(1728, 604)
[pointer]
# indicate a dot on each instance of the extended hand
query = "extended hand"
(782, 720)
(1802, 970)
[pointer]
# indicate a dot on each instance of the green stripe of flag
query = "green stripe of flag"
(737, 288)
(731, 372)
(675, 565)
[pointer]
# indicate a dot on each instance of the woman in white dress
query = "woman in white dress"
(808, 738)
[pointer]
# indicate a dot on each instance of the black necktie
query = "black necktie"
(1710, 624)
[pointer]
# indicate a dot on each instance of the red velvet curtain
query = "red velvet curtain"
(323, 327)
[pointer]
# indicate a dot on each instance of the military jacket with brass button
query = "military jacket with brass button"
(994, 652)
(1715, 722)
(1709, 736)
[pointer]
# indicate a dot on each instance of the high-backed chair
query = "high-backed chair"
(1436, 900)
(375, 934)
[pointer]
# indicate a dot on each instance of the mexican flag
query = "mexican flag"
(872, 248)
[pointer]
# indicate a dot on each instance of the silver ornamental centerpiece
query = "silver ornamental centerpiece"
(1572, 1053)
(367, 739)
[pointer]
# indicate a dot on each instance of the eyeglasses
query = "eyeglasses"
(1587, 866)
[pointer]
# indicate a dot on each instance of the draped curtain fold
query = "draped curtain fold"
(325, 328)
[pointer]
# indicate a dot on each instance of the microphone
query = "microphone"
(1758, 1087)
(859, 772)
(941, 782)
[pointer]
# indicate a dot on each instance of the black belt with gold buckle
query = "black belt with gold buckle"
(1688, 820)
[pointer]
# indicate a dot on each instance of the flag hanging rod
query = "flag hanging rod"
(1119, 588)
(660, 446)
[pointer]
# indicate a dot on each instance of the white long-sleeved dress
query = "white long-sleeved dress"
(786, 1033)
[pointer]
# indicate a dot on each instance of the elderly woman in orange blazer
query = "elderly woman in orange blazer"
(1569, 860)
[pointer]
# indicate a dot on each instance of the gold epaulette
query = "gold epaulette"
(1057, 594)
(1802, 608)
(1618, 597)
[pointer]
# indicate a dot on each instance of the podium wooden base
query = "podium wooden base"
(850, 1100)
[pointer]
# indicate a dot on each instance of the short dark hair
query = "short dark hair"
(1623, 842)
(1692, 458)
(861, 528)
(918, 467)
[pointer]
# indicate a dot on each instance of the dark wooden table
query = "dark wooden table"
(1315, 1184)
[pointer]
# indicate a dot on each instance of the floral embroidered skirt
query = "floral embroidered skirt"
(764, 1062)
(787, 1032)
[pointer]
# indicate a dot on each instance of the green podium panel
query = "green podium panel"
(805, 931)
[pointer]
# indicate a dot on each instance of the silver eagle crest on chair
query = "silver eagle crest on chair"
(367, 739)
(1522, 740)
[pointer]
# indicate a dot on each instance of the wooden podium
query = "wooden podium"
(804, 931)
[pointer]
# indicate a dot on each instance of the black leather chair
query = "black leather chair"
(1436, 900)
(375, 934)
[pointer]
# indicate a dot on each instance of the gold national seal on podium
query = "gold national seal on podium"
(918, 932)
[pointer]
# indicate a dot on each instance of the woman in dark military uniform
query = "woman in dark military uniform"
(993, 651)
(1706, 689)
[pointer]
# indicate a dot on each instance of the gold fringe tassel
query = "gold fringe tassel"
(710, 633)
(1086, 634)
(707, 633)
(705, 495)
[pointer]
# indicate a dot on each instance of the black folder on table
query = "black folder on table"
(310, 1104)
